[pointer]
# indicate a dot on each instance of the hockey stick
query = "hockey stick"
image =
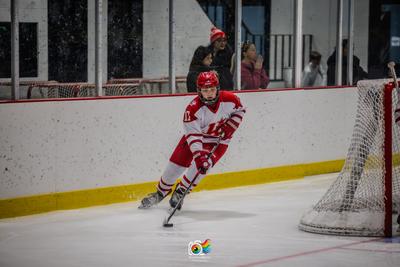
(166, 222)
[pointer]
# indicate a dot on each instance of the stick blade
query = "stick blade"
(167, 224)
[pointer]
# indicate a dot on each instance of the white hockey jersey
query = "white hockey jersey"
(202, 123)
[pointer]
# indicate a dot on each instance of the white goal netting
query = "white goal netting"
(67, 90)
(355, 202)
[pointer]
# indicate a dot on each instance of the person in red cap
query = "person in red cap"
(222, 56)
(209, 120)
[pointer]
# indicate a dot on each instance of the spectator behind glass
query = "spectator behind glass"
(314, 74)
(358, 72)
(253, 75)
(201, 61)
(222, 55)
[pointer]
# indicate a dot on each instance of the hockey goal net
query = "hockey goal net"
(361, 200)
(67, 90)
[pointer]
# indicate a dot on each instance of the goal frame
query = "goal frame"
(361, 200)
(387, 148)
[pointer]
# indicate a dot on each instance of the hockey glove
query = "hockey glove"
(228, 128)
(202, 162)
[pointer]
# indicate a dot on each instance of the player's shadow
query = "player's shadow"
(213, 215)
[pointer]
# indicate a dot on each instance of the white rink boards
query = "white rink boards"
(60, 146)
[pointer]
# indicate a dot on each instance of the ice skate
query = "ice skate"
(176, 196)
(151, 200)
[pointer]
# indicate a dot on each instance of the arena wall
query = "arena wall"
(192, 31)
(192, 28)
(319, 19)
(34, 11)
(48, 148)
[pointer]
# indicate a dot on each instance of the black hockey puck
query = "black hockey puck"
(168, 224)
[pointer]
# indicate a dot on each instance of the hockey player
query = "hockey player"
(213, 115)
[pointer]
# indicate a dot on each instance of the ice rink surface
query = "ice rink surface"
(247, 226)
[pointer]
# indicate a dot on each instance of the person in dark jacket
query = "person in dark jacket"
(222, 55)
(358, 72)
(201, 62)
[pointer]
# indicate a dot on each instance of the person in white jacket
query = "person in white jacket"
(313, 74)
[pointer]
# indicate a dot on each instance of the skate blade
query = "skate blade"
(142, 207)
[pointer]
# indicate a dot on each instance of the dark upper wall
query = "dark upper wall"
(125, 39)
(28, 49)
(67, 40)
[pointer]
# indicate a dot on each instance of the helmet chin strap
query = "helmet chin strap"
(210, 102)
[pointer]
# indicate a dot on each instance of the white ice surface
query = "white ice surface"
(248, 226)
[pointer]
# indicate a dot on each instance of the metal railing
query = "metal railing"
(281, 54)
(277, 49)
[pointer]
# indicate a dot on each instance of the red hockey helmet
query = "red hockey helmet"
(206, 80)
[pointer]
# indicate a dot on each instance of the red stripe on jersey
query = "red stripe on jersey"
(193, 134)
(186, 179)
(192, 108)
(197, 153)
(210, 136)
(186, 186)
(162, 190)
(213, 158)
(182, 185)
(164, 183)
(238, 121)
(238, 116)
(233, 122)
(227, 96)
(195, 141)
